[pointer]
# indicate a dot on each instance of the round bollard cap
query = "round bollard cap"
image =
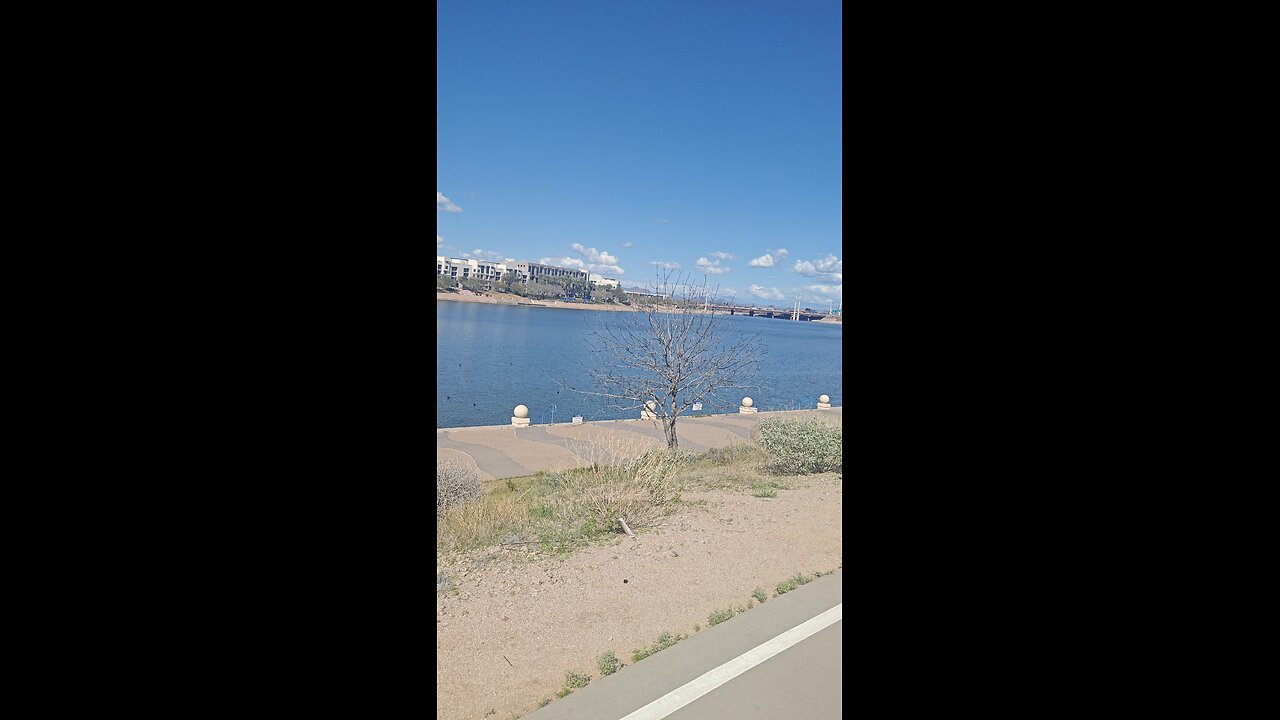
(521, 411)
(824, 399)
(747, 402)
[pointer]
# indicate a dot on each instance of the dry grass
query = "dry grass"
(456, 486)
(737, 467)
(639, 484)
(560, 510)
(484, 523)
(621, 478)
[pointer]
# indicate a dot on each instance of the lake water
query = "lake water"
(491, 358)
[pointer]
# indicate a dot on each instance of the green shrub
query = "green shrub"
(608, 663)
(787, 586)
(456, 484)
(799, 447)
(664, 641)
(575, 680)
(760, 595)
(719, 616)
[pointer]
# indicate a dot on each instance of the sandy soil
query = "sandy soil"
(520, 619)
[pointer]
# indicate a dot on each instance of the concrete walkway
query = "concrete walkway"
(794, 675)
(503, 451)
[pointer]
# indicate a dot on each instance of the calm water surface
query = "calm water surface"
(493, 357)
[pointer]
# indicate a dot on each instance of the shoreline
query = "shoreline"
(492, 298)
(585, 423)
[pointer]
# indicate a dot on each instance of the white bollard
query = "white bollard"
(824, 401)
(521, 417)
(745, 408)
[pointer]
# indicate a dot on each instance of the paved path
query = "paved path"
(504, 451)
(782, 659)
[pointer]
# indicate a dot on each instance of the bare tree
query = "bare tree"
(669, 355)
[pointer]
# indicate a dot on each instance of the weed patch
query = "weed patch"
(760, 595)
(790, 584)
(664, 641)
(719, 616)
(608, 663)
(576, 680)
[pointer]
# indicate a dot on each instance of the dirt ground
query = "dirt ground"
(519, 619)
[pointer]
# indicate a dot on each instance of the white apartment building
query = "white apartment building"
(492, 272)
(470, 269)
(533, 271)
(603, 281)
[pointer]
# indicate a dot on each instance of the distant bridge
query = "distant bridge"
(767, 312)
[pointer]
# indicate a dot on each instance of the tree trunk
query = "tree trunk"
(669, 425)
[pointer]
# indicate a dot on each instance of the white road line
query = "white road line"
(713, 679)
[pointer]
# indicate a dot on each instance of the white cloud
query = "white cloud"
(829, 269)
(828, 292)
(711, 267)
(721, 256)
(659, 221)
(597, 261)
(483, 254)
(770, 258)
(767, 293)
(665, 265)
(578, 264)
(444, 203)
(628, 244)
(564, 262)
(594, 256)
(439, 241)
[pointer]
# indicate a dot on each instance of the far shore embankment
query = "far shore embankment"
(492, 298)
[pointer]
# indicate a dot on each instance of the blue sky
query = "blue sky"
(613, 136)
